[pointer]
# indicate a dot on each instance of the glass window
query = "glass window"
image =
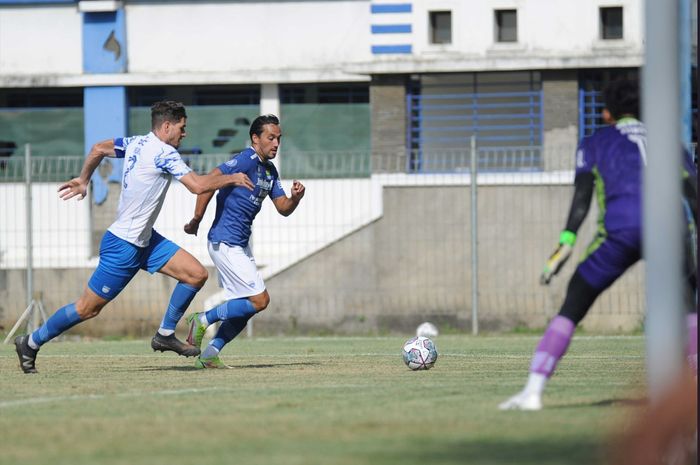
(506, 26)
(440, 27)
(611, 23)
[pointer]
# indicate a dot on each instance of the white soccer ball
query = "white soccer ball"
(419, 353)
(427, 329)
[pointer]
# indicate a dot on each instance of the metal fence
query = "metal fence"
(372, 248)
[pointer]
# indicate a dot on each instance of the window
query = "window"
(506, 26)
(440, 27)
(611, 23)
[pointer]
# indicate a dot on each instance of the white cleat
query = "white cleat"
(522, 401)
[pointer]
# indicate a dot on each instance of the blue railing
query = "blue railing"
(448, 121)
(590, 104)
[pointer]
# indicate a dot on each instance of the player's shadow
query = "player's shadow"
(234, 367)
(625, 402)
(274, 365)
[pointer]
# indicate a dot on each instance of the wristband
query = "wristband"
(567, 237)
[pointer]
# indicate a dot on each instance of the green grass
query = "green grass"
(326, 400)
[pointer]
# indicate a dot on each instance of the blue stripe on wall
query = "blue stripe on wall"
(392, 8)
(386, 49)
(391, 28)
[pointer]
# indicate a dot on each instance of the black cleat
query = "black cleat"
(27, 355)
(163, 343)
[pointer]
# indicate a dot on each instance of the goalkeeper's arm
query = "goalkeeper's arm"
(581, 202)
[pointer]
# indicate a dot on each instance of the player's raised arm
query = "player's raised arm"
(199, 184)
(78, 186)
(286, 205)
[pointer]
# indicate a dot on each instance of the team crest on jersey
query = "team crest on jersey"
(233, 162)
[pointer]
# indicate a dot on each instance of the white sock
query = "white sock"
(535, 383)
(165, 332)
(31, 343)
(203, 319)
(210, 351)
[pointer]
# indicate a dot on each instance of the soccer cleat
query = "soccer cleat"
(210, 362)
(27, 355)
(522, 401)
(163, 343)
(197, 330)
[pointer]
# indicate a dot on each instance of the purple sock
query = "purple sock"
(552, 346)
(691, 348)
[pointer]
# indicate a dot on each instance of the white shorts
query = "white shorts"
(237, 271)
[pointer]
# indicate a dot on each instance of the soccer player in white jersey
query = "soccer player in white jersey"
(229, 237)
(131, 243)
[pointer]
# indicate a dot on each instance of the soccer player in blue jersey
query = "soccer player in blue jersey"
(131, 243)
(610, 162)
(229, 238)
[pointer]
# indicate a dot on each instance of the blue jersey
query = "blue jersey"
(616, 155)
(236, 207)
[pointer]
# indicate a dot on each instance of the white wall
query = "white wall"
(40, 40)
(264, 38)
(307, 41)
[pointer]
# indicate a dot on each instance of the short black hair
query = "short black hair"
(622, 98)
(166, 110)
(256, 126)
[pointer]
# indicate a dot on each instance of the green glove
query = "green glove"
(556, 261)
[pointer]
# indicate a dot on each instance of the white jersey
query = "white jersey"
(149, 166)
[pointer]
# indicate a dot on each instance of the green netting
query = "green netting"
(50, 131)
(210, 129)
(319, 140)
(325, 140)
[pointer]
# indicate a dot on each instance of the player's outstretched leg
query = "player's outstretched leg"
(27, 346)
(550, 350)
(27, 355)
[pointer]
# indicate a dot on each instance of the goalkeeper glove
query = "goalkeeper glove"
(567, 239)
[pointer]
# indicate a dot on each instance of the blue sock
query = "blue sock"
(231, 309)
(65, 318)
(227, 331)
(179, 301)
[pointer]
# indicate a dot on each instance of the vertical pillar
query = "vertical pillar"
(561, 112)
(270, 104)
(106, 114)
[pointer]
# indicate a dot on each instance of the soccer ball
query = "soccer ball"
(426, 329)
(419, 353)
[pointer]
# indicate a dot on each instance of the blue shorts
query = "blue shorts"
(121, 260)
(609, 256)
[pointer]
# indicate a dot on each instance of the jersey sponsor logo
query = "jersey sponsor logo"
(232, 163)
(580, 162)
(106, 289)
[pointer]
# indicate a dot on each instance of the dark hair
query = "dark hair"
(166, 110)
(257, 126)
(622, 98)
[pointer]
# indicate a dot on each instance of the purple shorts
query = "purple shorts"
(609, 256)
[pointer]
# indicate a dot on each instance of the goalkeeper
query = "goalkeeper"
(610, 162)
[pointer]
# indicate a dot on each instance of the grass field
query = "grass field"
(326, 400)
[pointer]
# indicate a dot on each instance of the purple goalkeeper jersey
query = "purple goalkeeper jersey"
(616, 155)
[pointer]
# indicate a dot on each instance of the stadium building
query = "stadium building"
(362, 87)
